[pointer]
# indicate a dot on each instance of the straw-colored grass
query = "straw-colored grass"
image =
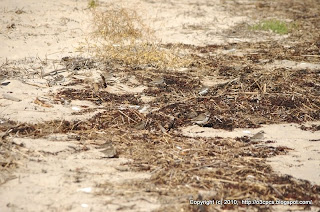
(118, 25)
(121, 37)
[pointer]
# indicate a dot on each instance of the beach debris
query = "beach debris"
(41, 103)
(10, 97)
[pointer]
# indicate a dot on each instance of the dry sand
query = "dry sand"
(302, 162)
(33, 32)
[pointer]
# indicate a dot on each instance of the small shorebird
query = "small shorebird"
(158, 81)
(201, 119)
(258, 136)
(2, 78)
(141, 125)
(203, 91)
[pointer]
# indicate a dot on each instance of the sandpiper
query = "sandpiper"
(258, 136)
(201, 119)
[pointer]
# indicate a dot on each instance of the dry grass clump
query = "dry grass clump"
(140, 55)
(121, 37)
(119, 25)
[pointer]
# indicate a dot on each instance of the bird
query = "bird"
(141, 125)
(108, 150)
(2, 79)
(191, 114)
(258, 136)
(158, 81)
(144, 109)
(108, 76)
(203, 91)
(201, 119)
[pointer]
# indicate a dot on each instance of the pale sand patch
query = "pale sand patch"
(303, 162)
(28, 111)
(45, 29)
(293, 65)
(57, 177)
(191, 22)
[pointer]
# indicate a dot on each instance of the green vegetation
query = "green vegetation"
(277, 26)
(93, 3)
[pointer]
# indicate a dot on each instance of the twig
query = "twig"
(309, 55)
(56, 71)
(224, 181)
(127, 116)
(276, 190)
